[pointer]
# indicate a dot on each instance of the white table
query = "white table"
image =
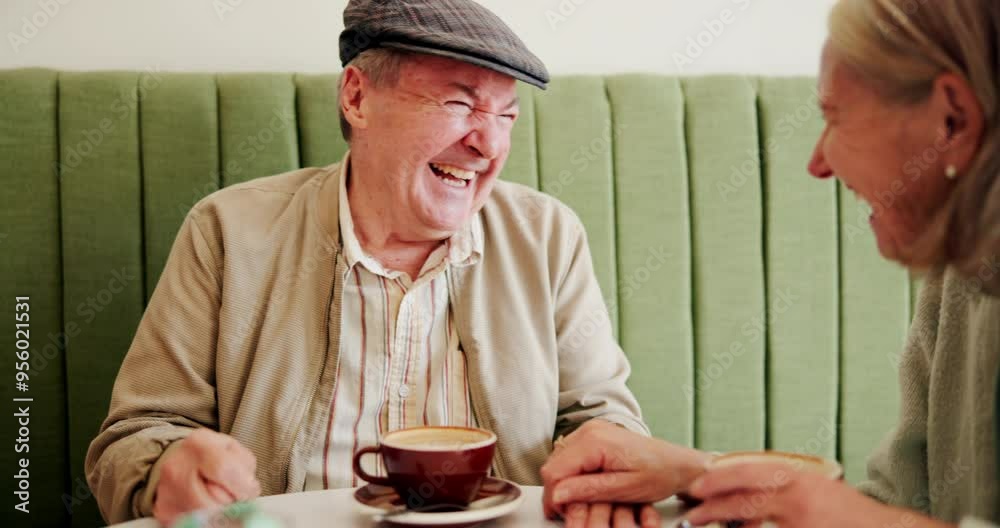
(336, 509)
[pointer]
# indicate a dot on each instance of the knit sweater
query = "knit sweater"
(941, 459)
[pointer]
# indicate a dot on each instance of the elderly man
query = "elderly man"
(301, 316)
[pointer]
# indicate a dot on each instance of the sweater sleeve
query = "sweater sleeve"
(897, 470)
(593, 369)
(165, 387)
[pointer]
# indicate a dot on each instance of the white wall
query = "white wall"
(571, 36)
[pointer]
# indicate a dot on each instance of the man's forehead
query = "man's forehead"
(448, 70)
(445, 74)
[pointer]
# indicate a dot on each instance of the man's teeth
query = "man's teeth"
(453, 183)
(454, 171)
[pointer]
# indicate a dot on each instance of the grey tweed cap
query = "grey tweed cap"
(457, 29)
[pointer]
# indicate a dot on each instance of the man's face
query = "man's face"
(440, 137)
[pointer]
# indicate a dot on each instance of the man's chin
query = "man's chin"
(440, 229)
(444, 219)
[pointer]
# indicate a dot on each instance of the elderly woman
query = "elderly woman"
(909, 91)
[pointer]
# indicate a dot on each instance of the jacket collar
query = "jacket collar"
(465, 248)
(326, 205)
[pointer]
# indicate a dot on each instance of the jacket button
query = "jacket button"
(404, 391)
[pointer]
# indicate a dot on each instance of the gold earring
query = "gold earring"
(951, 172)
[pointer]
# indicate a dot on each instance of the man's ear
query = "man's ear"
(354, 87)
(962, 116)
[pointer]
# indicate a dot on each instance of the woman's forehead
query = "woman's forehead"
(836, 82)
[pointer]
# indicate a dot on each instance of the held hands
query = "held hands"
(603, 463)
(208, 469)
(603, 514)
(755, 493)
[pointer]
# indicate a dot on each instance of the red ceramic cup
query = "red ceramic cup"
(433, 466)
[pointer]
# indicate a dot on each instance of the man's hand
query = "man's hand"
(208, 469)
(601, 462)
(604, 515)
(755, 493)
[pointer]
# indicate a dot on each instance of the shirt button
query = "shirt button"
(404, 391)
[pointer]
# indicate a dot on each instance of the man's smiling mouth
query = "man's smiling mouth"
(452, 176)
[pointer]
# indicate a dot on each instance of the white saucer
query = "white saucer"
(375, 501)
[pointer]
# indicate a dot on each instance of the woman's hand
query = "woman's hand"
(755, 493)
(602, 462)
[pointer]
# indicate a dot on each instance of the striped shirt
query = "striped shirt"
(401, 364)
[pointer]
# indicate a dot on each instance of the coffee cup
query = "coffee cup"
(432, 466)
(804, 463)
(797, 462)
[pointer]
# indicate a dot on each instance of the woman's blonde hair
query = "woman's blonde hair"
(900, 47)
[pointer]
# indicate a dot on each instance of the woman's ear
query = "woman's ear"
(354, 87)
(963, 121)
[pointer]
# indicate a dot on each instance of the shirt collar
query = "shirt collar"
(465, 248)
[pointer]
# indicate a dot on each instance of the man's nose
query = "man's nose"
(487, 139)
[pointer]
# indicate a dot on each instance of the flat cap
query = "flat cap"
(457, 29)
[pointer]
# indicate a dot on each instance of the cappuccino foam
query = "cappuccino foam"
(799, 463)
(438, 439)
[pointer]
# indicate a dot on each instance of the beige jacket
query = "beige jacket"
(241, 336)
(941, 457)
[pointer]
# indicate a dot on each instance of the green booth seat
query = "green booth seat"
(749, 296)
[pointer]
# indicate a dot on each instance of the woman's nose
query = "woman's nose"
(818, 166)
